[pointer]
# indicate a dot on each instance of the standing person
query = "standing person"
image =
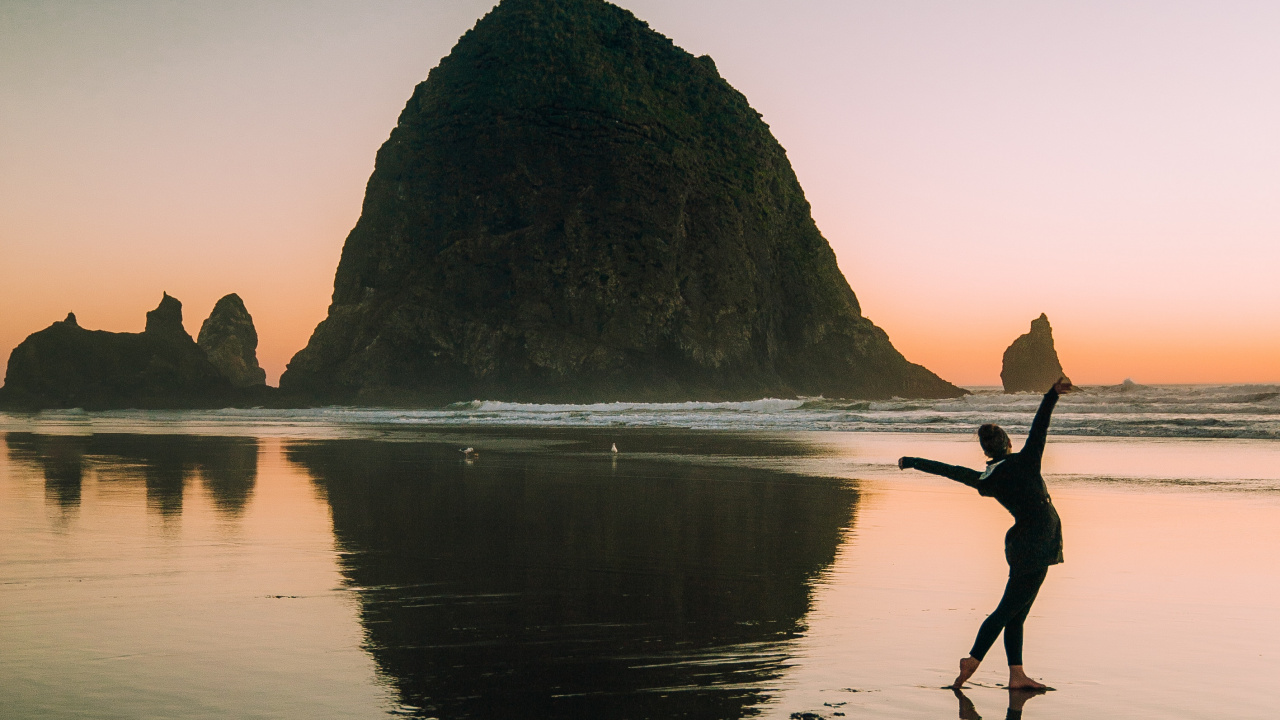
(1031, 545)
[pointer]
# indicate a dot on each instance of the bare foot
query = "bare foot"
(1018, 680)
(968, 666)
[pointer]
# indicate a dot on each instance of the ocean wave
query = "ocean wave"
(765, 405)
(1155, 411)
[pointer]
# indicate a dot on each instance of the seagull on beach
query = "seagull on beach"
(469, 453)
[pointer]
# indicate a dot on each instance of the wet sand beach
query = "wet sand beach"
(704, 574)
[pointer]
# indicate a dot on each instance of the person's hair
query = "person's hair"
(994, 440)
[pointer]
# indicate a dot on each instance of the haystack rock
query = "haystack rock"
(65, 366)
(231, 342)
(571, 208)
(1031, 362)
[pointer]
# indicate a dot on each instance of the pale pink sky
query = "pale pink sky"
(1113, 164)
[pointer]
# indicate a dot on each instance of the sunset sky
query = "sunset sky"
(1113, 164)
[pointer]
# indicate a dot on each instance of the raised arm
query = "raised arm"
(933, 467)
(1034, 447)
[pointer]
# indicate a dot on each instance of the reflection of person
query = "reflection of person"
(1017, 700)
(967, 709)
(1031, 545)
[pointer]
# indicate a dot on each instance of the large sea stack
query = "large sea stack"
(66, 366)
(1031, 362)
(571, 208)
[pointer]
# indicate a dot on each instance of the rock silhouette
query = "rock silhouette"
(165, 322)
(66, 366)
(1031, 362)
(231, 342)
(571, 208)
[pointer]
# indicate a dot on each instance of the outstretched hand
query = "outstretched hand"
(902, 463)
(1063, 386)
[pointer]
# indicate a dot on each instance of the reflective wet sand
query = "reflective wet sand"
(692, 575)
(142, 579)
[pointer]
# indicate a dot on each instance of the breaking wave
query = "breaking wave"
(1128, 410)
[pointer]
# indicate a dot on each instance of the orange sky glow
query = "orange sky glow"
(1114, 165)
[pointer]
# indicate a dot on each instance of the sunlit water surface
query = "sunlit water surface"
(372, 571)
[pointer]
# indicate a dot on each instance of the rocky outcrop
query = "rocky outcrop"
(1031, 362)
(66, 366)
(572, 208)
(231, 342)
(166, 321)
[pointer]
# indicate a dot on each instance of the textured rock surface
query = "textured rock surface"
(572, 208)
(231, 342)
(1031, 362)
(66, 365)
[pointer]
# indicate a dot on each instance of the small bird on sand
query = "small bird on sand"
(469, 453)
(615, 447)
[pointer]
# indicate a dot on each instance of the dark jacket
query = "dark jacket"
(1035, 540)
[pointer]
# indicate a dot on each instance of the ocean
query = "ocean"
(1126, 410)
(759, 559)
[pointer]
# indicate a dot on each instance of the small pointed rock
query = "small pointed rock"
(1031, 362)
(166, 319)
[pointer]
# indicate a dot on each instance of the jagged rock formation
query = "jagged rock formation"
(1031, 362)
(572, 208)
(66, 366)
(166, 320)
(231, 342)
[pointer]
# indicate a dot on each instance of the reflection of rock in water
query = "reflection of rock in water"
(228, 466)
(539, 586)
(162, 462)
(229, 469)
(60, 458)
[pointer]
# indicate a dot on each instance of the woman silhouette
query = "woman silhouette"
(1031, 545)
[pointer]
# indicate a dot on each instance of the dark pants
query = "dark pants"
(1009, 616)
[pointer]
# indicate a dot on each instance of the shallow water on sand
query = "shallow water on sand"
(250, 574)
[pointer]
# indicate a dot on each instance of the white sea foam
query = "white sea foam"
(765, 405)
(1188, 411)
